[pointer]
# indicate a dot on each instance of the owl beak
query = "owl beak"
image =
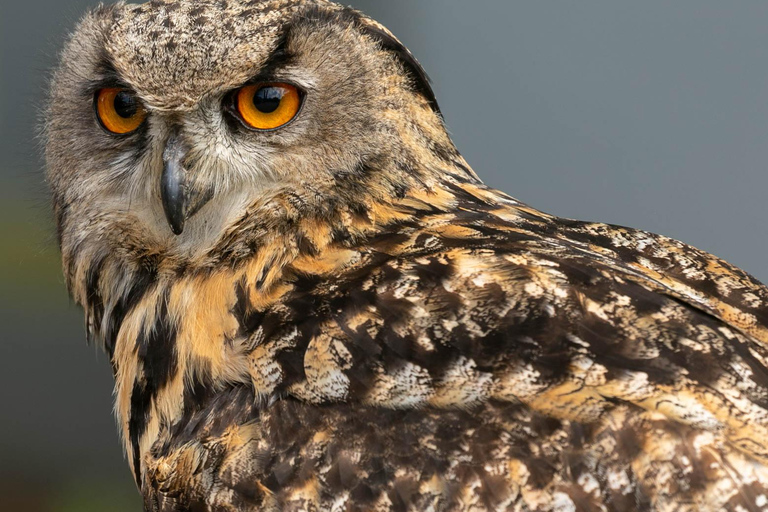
(181, 200)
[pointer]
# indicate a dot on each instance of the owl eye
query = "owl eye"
(267, 106)
(119, 110)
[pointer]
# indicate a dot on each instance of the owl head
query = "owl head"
(175, 127)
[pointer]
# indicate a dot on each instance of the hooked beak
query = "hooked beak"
(181, 200)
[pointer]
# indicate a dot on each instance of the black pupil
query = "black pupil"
(267, 99)
(126, 105)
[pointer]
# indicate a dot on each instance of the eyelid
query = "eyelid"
(296, 77)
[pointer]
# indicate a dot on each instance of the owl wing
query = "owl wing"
(462, 305)
(492, 357)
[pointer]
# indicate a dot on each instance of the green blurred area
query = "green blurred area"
(70, 496)
(53, 456)
(30, 264)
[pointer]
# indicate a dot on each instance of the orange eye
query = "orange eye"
(268, 106)
(119, 110)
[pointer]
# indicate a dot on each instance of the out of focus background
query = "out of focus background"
(652, 114)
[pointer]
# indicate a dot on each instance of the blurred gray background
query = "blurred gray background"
(652, 114)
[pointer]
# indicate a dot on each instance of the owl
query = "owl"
(311, 302)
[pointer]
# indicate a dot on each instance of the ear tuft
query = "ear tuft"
(391, 44)
(381, 35)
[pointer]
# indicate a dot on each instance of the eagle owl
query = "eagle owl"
(311, 302)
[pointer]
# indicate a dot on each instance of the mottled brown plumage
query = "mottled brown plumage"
(353, 321)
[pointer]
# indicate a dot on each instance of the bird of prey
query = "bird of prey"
(311, 302)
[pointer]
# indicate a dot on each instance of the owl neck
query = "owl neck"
(175, 327)
(344, 210)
